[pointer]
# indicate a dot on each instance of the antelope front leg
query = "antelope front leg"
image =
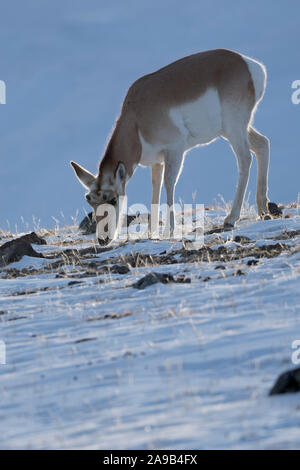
(173, 166)
(244, 159)
(157, 178)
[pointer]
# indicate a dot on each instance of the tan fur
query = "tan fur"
(148, 101)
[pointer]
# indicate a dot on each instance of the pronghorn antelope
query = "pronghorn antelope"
(190, 102)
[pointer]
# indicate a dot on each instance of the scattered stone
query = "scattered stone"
(252, 262)
(84, 340)
(88, 224)
(154, 278)
(219, 229)
(33, 238)
(16, 318)
(242, 239)
(207, 278)
(73, 283)
(288, 382)
(274, 209)
(31, 291)
(220, 266)
(239, 273)
(14, 250)
(119, 269)
(287, 234)
(113, 316)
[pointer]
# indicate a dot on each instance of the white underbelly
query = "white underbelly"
(200, 121)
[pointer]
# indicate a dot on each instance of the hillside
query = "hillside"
(102, 353)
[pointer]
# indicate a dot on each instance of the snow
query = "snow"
(183, 366)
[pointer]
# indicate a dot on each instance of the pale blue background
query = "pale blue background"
(67, 66)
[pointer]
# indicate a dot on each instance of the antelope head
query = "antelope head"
(103, 189)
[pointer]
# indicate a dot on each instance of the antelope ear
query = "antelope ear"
(120, 173)
(85, 177)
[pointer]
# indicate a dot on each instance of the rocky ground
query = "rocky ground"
(151, 343)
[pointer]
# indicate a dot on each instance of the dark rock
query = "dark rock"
(88, 224)
(242, 239)
(219, 229)
(120, 269)
(220, 266)
(274, 209)
(113, 316)
(84, 340)
(153, 278)
(16, 318)
(252, 262)
(239, 273)
(33, 238)
(14, 250)
(288, 382)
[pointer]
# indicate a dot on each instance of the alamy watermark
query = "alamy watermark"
(296, 94)
(2, 92)
(296, 353)
(153, 224)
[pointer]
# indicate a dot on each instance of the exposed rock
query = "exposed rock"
(220, 266)
(120, 269)
(242, 239)
(288, 382)
(33, 238)
(107, 316)
(274, 209)
(154, 278)
(14, 250)
(88, 224)
(84, 340)
(239, 273)
(252, 262)
(73, 283)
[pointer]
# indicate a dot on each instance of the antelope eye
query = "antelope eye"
(113, 202)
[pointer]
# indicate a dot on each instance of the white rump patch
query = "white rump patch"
(259, 76)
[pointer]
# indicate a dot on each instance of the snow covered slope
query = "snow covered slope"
(94, 362)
